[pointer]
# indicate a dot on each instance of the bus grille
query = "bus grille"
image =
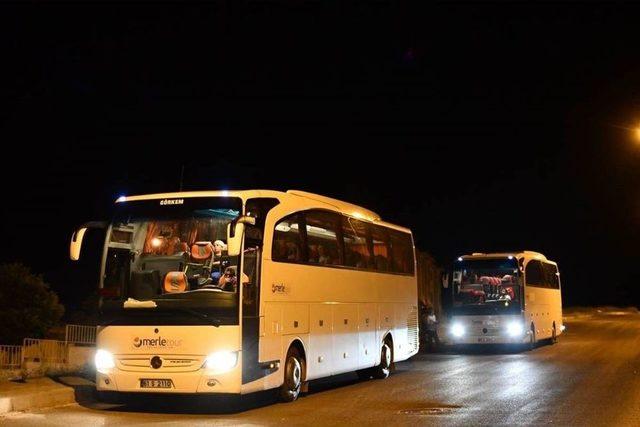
(412, 329)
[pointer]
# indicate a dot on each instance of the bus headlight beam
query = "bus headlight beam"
(514, 328)
(221, 361)
(457, 330)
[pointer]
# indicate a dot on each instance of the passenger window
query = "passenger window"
(354, 234)
(534, 273)
(551, 276)
(322, 240)
(381, 251)
(287, 240)
(402, 252)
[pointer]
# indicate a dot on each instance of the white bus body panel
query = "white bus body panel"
(542, 308)
(342, 317)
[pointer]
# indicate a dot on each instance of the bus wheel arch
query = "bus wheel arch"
(294, 372)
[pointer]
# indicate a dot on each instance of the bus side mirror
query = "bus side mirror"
(77, 237)
(76, 243)
(235, 233)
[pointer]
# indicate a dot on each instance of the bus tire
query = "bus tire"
(383, 370)
(532, 337)
(293, 375)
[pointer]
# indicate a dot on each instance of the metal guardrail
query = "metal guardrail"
(80, 334)
(10, 356)
(46, 352)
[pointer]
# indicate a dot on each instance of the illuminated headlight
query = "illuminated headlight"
(563, 328)
(221, 361)
(457, 330)
(515, 329)
(104, 361)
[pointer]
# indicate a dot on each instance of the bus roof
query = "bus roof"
(346, 208)
(515, 254)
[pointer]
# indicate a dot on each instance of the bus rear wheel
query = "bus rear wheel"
(383, 370)
(293, 376)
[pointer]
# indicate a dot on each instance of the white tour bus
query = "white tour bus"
(241, 291)
(503, 298)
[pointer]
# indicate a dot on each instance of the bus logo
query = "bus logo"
(156, 342)
(278, 287)
(165, 202)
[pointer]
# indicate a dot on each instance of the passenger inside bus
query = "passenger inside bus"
(172, 248)
(478, 290)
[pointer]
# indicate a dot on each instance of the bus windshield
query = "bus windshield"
(486, 283)
(172, 252)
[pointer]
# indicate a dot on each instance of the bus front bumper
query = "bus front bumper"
(199, 381)
(487, 330)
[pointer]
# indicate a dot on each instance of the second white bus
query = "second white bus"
(500, 298)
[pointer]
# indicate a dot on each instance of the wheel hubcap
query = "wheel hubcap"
(386, 354)
(295, 373)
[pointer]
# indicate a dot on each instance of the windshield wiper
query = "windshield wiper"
(212, 320)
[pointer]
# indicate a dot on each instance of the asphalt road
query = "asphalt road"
(591, 377)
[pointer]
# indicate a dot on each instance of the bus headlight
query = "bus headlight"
(221, 361)
(104, 361)
(457, 330)
(515, 329)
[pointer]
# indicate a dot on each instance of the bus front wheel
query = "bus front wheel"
(383, 370)
(554, 334)
(532, 337)
(293, 376)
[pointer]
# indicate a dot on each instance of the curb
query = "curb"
(43, 394)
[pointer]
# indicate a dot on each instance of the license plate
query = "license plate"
(155, 383)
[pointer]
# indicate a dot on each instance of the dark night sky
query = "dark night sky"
(481, 127)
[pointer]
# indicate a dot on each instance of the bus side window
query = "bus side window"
(534, 274)
(322, 238)
(551, 276)
(354, 234)
(380, 248)
(287, 240)
(401, 251)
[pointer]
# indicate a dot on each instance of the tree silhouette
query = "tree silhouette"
(28, 308)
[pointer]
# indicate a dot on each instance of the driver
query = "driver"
(229, 281)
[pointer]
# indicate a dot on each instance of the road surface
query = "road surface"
(591, 377)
